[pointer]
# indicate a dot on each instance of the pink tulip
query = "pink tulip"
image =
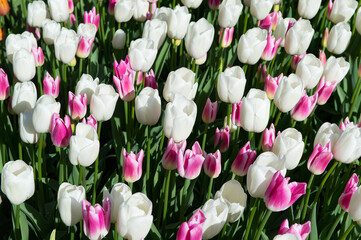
(324, 39)
(38, 56)
(226, 39)
(4, 85)
(280, 194)
(72, 19)
(271, 85)
(350, 188)
(301, 231)
(77, 105)
(51, 86)
(125, 88)
(210, 111)
(60, 130)
(91, 121)
(149, 80)
(71, 6)
(132, 165)
(268, 138)
(236, 113)
(270, 22)
(84, 47)
(346, 124)
(192, 230)
(271, 47)
(171, 155)
(92, 17)
(214, 4)
(296, 59)
(96, 220)
(304, 107)
(319, 158)
(324, 91)
(322, 57)
(122, 68)
(212, 164)
(152, 8)
(222, 138)
(243, 160)
(190, 164)
(111, 6)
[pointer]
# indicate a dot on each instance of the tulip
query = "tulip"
(282, 28)
(24, 97)
(26, 128)
(212, 164)
(120, 193)
(123, 10)
(350, 189)
(304, 107)
(308, 8)
(327, 133)
(215, 212)
(341, 11)
(68, 40)
(319, 158)
(86, 85)
(262, 74)
(180, 116)
(214, 4)
(2, 34)
(17, 181)
(148, 106)
(4, 7)
(142, 53)
(271, 85)
(324, 39)
(132, 166)
(335, 69)
(193, 228)
(339, 39)
(288, 93)
(221, 139)
(348, 146)
(140, 10)
(70, 198)
(296, 231)
(155, 30)
(119, 38)
(354, 210)
(96, 220)
(324, 91)
(103, 101)
(233, 194)
(36, 13)
(77, 105)
(231, 84)
(4, 85)
(23, 65)
(192, 3)
(270, 22)
(60, 130)
(111, 6)
(299, 37)
(251, 45)
(152, 8)
(180, 81)
(271, 48)
(309, 70)
(298, 58)
(346, 124)
(261, 8)
(149, 80)
(71, 6)
(243, 160)
(171, 154)
(44, 109)
(255, 111)
(84, 47)
(51, 31)
(229, 12)
(59, 10)
(125, 87)
(178, 22)
(38, 56)
(358, 21)
(268, 138)
(135, 217)
(232, 127)
(92, 17)
(225, 39)
(162, 13)
(236, 113)
(189, 165)
(13, 43)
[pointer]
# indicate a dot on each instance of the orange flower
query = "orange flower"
(2, 34)
(4, 7)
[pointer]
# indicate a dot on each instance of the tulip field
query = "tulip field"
(180, 119)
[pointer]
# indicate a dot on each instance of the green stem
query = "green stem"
(278, 117)
(334, 225)
(210, 189)
(307, 197)
(250, 220)
(204, 136)
(20, 150)
(174, 47)
(229, 111)
(61, 167)
(148, 161)
(355, 95)
(38, 72)
(72, 232)
(40, 150)
(166, 193)
(17, 222)
(245, 22)
(115, 232)
(24, 10)
(349, 229)
(96, 169)
(263, 223)
(184, 198)
(193, 65)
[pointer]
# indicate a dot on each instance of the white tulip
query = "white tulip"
(347, 149)
(288, 93)
(282, 28)
(178, 22)
(299, 37)
(59, 10)
(231, 84)
(335, 69)
(354, 210)
(308, 8)
(155, 30)
(309, 70)
(327, 133)
(24, 97)
(17, 181)
(251, 45)
(162, 13)
(26, 128)
(148, 106)
(103, 101)
(70, 198)
(216, 213)
(140, 10)
(15, 42)
(287, 236)
(142, 54)
(44, 109)
(342, 10)
(180, 81)
(36, 13)
(358, 21)
(66, 45)
(24, 65)
(192, 3)
(119, 38)
(261, 8)
(123, 10)
(51, 30)
(229, 12)
(87, 30)
(120, 193)
(339, 38)
(87, 85)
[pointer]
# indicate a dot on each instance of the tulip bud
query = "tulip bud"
(4, 7)
(44, 109)
(339, 39)
(60, 130)
(322, 57)
(271, 85)
(193, 228)
(23, 65)
(310, 70)
(341, 11)
(335, 69)
(229, 12)
(212, 164)
(214, 4)
(24, 97)
(296, 59)
(225, 38)
(92, 17)
(282, 28)
(59, 10)
(68, 40)
(70, 198)
(325, 39)
(319, 158)
(308, 8)
(36, 13)
(120, 193)
(350, 189)
(304, 107)
(231, 84)
(132, 166)
(251, 45)
(189, 165)
(270, 22)
(296, 231)
(180, 81)
(119, 38)
(77, 105)
(111, 6)
(142, 53)
(268, 138)
(215, 212)
(51, 31)
(148, 106)
(4, 85)
(288, 93)
(178, 22)
(348, 146)
(103, 101)
(26, 128)
(171, 154)
(221, 139)
(149, 80)
(299, 37)
(243, 160)
(17, 181)
(236, 113)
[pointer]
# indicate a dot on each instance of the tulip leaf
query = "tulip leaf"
(24, 228)
(154, 233)
(38, 222)
(160, 61)
(314, 234)
(53, 235)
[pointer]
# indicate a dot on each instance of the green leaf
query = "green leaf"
(314, 234)
(39, 223)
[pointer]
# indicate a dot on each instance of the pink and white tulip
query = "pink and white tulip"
(271, 47)
(152, 8)
(322, 57)
(91, 121)
(132, 165)
(111, 6)
(192, 230)
(60, 130)
(149, 80)
(222, 138)
(125, 87)
(92, 17)
(236, 113)
(190, 165)
(210, 111)
(268, 138)
(212, 164)
(301, 231)
(38, 56)
(271, 85)
(350, 189)
(324, 90)
(4, 85)
(51, 86)
(244, 159)
(77, 105)
(346, 124)
(304, 107)
(71, 6)
(96, 220)
(296, 59)
(84, 47)
(270, 22)
(226, 37)
(319, 158)
(280, 194)
(171, 155)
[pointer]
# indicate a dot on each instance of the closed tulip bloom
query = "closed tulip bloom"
(38, 56)
(132, 166)
(270, 22)
(261, 8)
(36, 13)
(24, 65)
(209, 111)
(119, 38)
(155, 30)
(255, 111)
(180, 81)
(149, 80)
(70, 198)
(296, 231)
(348, 146)
(86, 85)
(24, 97)
(268, 138)
(103, 101)
(319, 158)
(216, 213)
(310, 70)
(171, 154)
(221, 139)
(84, 47)
(271, 85)
(335, 69)
(190, 164)
(308, 8)
(180, 116)
(212, 164)
(327, 133)
(299, 37)
(120, 193)
(288, 93)
(192, 3)
(4, 7)
(231, 84)
(339, 38)
(17, 181)
(15, 42)
(66, 45)
(341, 11)
(60, 130)
(111, 6)
(350, 189)
(91, 121)
(271, 48)
(4, 85)
(44, 109)
(148, 106)
(142, 53)
(140, 10)
(92, 17)
(162, 13)
(214, 4)
(96, 220)
(77, 105)
(125, 86)
(229, 12)
(234, 196)
(283, 25)
(304, 107)
(324, 91)
(51, 30)
(225, 39)
(135, 217)
(322, 57)
(192, 230)
(59, 10)
(358, 21)
(236, 113)
(244, 159)
(178, 22)
(251, 45)
(26, 128)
